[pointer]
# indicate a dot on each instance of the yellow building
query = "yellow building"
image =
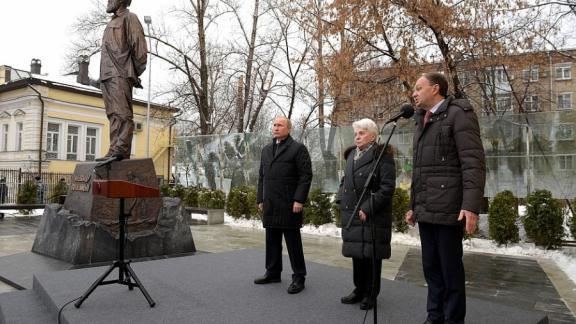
(49, 124)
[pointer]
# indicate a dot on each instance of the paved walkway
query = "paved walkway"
(519, 282)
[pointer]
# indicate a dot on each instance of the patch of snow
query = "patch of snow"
(565, 261)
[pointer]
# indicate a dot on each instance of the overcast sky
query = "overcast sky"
(42, 29)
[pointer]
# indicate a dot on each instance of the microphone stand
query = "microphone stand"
(367, 184)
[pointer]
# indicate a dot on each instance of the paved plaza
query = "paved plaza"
(531, 284)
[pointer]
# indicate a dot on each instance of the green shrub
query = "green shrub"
(61, 189)
(166, 190)
(190, 196)
(543, 219)
(502, 216)
(400, 201)
(178, 191)
(26, 195)
(241, 202)
(337, 215)
(317, 210)
(572, 224)
(211, 199)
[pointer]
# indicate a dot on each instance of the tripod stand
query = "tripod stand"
(122, 190)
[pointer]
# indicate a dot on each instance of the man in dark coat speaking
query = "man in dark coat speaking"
(448, 179)
(123, 59)
(283, 186)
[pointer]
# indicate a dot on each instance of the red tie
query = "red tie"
(427, 116)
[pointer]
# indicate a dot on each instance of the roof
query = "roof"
(68, 83)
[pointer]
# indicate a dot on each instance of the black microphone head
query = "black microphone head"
(407, 110)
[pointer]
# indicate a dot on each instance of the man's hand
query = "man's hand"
(410, 218)
(362, 215)
(297, 207)
(471, 219)
(260, 207)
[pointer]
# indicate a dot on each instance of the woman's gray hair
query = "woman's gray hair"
(366, 124)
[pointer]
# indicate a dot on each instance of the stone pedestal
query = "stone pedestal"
(66, 236)
(85, 230)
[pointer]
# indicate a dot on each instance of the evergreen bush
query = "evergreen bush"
(191, 197)
(26, 195)
(400, 202)
(211, 199)
(572, 224)
(61, 189)
(543, 219)
(337, 215)
(166, 190)
(178, 191)
(241, 202)
(317, 210)
(502, 216)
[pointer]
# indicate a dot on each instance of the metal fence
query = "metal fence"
(12, 180)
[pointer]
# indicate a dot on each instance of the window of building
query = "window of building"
(91, 137)
(52, 140)
(531, 103)
(564, 101)
(19, 131)
(350, 115)
(72, 142)
(565, 132)
(530, 75)
(504, 103)
(500, 75)
(563, 71)
(5, 128)
(565, 162)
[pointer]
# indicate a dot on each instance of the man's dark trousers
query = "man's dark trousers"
(274, 252)
(444, 271)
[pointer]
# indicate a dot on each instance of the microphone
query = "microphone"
(116, 157)
(406, 111)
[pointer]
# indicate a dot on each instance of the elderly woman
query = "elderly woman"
(357, 240)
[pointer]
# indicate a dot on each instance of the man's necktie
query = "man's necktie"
(427, 117)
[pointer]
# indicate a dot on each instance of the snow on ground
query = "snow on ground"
(14, 212)
(565, 258)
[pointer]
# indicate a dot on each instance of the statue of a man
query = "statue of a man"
(123, 60)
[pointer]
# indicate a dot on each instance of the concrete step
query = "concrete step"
(24, 307)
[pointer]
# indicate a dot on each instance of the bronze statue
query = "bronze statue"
(123, 60)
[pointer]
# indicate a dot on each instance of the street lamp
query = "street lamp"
(148, 21)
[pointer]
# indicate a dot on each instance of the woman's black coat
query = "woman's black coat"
(284, 178)
(357, 240)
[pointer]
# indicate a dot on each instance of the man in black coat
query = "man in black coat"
(449, 173)
(283, 186)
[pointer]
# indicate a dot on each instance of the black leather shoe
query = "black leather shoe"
(353, 298)
(266, 280)
(367, 303)
(295, 287)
